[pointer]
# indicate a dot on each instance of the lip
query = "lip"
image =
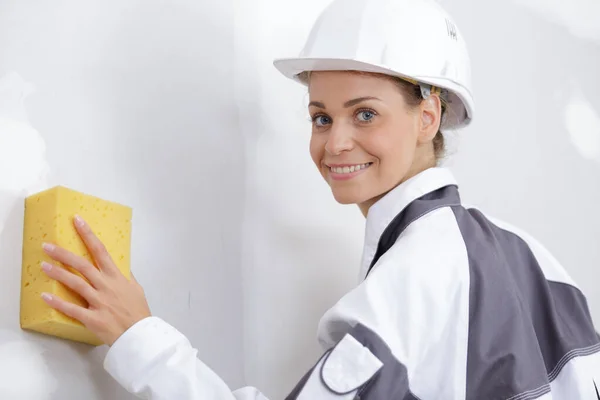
(345, 176)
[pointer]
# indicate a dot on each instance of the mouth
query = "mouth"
(347, 171)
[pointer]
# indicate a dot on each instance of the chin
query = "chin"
(345, 196)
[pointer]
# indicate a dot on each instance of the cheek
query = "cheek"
(395, 149)
(317, 148)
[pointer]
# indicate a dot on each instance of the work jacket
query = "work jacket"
(451, 305)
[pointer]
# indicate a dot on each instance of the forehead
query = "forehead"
(346, 84)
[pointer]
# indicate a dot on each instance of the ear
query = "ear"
(431, 114)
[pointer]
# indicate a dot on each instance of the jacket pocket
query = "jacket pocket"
(342, 372)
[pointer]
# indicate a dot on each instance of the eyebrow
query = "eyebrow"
(347, 104)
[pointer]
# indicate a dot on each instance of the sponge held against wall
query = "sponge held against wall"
(49, 218)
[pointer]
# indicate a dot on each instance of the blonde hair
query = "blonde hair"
(413, 97)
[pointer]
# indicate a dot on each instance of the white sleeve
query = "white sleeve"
(155, 361)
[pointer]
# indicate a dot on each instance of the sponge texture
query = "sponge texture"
(49, 218)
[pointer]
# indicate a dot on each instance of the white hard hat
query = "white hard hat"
(412, 39)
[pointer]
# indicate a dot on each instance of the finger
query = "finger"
(76, 262)
(72, 281)
(72, 310)
(135, 283)
(95, 246)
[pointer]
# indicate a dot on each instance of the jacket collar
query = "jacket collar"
(381, 214)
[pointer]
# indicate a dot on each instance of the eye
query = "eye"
(321, 120)
(366, 115)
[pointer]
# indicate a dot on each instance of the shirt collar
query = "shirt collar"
(381, 214)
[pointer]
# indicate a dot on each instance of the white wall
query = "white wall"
(300, 247)
(532, 157)
(134, 103)
(125, 90)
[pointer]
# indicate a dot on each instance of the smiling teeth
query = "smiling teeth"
(349, 169)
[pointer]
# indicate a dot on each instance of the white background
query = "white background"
(174, 108)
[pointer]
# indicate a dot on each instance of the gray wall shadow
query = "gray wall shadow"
(518, 157)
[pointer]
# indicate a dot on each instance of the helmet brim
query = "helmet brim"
(460, 102)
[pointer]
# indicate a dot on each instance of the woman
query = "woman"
(452, 305)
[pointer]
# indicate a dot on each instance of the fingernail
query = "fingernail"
(48, 246)
(46, 296)
(45, 266)
(78, 220)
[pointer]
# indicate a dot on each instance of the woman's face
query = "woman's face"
(365, 138)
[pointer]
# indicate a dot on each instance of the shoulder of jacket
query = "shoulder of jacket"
(430, 245)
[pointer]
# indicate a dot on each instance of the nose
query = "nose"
(339, 140)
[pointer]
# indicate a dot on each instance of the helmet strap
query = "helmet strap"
(427, 90)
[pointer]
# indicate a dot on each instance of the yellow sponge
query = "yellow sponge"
(49, 218)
